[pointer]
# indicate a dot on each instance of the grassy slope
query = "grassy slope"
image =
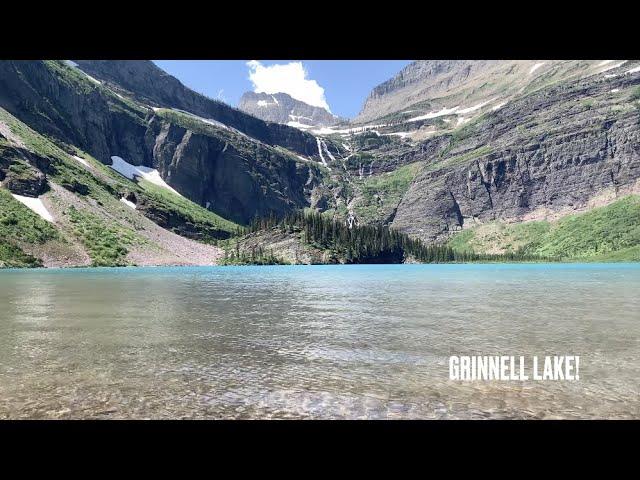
(610, 233)
(18, 226)
(389, 188)
(106, 242)
(68, 171)
(193, 212)
(104, 186)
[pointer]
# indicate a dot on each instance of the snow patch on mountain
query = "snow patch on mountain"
(401, 134)
(81, 160)
(138, 171)
(35, 205)
(535, 67)
(128, 203)
(300, 126)
(439, 113)
(474, 108)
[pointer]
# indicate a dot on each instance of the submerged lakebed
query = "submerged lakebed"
(330, 341)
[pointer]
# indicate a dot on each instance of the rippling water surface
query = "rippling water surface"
(314, 341)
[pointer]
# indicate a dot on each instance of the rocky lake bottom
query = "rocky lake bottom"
(329, 342)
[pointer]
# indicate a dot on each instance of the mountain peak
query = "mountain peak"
(282, 108)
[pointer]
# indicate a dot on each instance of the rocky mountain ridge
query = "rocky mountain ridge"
(150, 86)
(558, 150)
(98, 143)
(282, 108)
(254, 177)
(434, 87)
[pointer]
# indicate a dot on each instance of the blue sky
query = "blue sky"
(342, 85)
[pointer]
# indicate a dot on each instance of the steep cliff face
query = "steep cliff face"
(211, 163)
(419, 80)
(237, 179)
(500, 142)
(150, 85)
(552, 152)
(65, 104)
(282, 108)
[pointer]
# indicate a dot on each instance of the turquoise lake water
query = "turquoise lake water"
(358, 341)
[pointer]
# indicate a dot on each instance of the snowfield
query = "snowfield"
(81, 160)
(36, 205)
(299, 126)
(401, 134)
(128, 203)
(474, 108)
(132, 171)
(444, 111)
(535, 67)
(210, 121)
(450, 111)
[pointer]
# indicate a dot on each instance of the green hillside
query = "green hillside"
(610, 233)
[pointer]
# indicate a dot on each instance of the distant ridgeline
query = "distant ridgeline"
(343, 244)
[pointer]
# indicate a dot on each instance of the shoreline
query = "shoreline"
(412, 264)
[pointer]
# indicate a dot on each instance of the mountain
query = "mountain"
(104, 143)
(118, 163)
(147, 84)
(282, 108)
(439, 86)
(486, 145)
(238, 165)
(556, 145)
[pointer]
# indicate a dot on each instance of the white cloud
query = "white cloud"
(288, 78)
(220, 95)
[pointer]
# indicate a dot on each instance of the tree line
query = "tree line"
(371, 243)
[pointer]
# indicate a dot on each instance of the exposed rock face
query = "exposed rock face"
(72, 110)
(555, 150)
(151, 85)
(175, 221)
(237, 177)
(236, 181)
(565, 136)
(430, 85)
(418, 81)
(32, 184)
(22, 172)
(282, 108)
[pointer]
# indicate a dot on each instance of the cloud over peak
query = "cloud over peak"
(290, 78)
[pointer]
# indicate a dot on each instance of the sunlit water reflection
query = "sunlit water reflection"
(314, 341)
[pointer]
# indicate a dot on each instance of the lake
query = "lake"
(352, 341)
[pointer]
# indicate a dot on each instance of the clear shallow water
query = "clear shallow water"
(314, 341)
